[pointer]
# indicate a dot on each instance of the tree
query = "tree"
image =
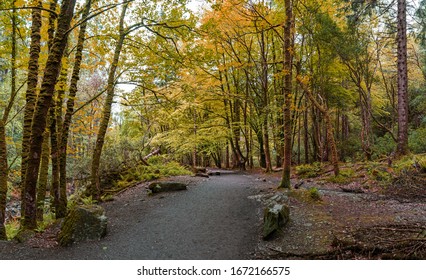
(94, 189)
(287, 92)
(402, 143)
(4, 168)
(31, 94)
(64, 133)
(51, 73)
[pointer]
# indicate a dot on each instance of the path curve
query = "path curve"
(213, 219)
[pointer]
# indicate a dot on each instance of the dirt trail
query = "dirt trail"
(213, 219)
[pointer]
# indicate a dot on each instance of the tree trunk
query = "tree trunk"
(366, 132)
(227, 165)
(42, 107)
(94, 188)
(306, 131)
(402, 145)
(60, 196)
(63, 142)
(287, 92)
(3, 180)
(42, 180)
(31, 94)
(4, 170)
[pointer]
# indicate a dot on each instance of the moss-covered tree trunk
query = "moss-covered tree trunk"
(43, 104)
(4, 170)
(94, 188)
(287, 92)
(43, 176)
(3, 180)
(60, 197)
(63, 141)
(31, 93)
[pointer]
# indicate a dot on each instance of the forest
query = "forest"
(96, 95)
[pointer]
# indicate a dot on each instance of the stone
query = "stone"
(199, 174)
(275, 217)
(82, 223)
(24, 235)
(157, 187)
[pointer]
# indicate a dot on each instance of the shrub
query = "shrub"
(417, 140)
(383, 146)
(314, 194)
(345, 176)
(12, 228)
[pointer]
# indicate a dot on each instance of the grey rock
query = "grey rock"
(158, 187)
(86, 222)
(275, 217)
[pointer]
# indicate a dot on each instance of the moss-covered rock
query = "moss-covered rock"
(83, 222)
(24, 235)
(158, 187)
(274, 218)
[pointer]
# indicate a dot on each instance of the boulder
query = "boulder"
(83, 222)
(275, 217)
(202, 175)
(158, 187)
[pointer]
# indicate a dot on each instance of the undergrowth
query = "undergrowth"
(306, 195)
(159, 166)
(345, 176)
(308, 170)
(13, 226)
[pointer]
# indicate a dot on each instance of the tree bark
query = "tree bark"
(4, 170)
(306, 131)
(287, 92)
(63, 141)
(402, 144)
(59, 195)
(31, 94)
(42, 180)
(43, 104)
(94, 188)
(3, 180)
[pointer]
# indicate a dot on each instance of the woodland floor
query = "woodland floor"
(221, 218)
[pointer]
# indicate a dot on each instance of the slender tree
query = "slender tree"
(287, 92)
(94, 188)
(31, 93)
(43, 104)
(4, 169)
(63, 141)
(402, 144)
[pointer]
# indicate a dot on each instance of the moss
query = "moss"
(159, 167)
(83, 223)
(314, 194)
(345, 176)
(308, 170)
(304, 195)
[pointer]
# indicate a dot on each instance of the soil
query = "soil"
(221, 218)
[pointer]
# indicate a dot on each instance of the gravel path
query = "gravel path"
(213, 219)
